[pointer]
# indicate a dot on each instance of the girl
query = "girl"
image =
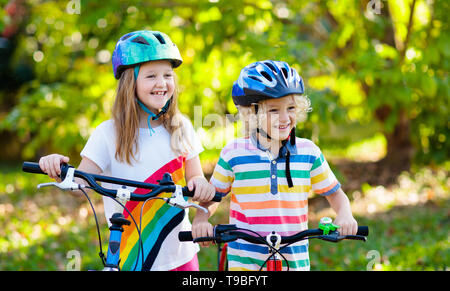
(270, 171)
(146, 137)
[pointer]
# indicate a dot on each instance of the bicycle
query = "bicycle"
(225, 233)
(166, 185)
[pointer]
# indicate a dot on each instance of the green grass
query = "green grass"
(403, 238)
(40, 227)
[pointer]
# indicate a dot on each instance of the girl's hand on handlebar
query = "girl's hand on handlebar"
(51, 165)
(204, 191)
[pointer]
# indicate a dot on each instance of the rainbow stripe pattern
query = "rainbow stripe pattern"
(249, 173)
(158, 219)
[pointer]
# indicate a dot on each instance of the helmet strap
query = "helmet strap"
(136, 71)
(291, 139)
(163, 110)
(151, 115)
(255, 106)
(288, 169)
(263, 133)
(259, 130)
(288, 158)
(292, 136)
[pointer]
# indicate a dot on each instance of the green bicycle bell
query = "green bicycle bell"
(326, 225)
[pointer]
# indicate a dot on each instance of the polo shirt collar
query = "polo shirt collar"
(283, 150)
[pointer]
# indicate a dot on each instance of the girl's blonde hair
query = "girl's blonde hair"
(251, 119)
(125, 113)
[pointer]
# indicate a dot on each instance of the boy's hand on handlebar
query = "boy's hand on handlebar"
(204, 191)
(51, 165)
(347, 225)
(202, 228)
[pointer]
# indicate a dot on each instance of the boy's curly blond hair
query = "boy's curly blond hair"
(250, 120)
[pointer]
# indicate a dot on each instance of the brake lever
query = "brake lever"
(66, 184)
(335, 237)
(353, 237)
(177, 200)
(330, 238)
(227, 238)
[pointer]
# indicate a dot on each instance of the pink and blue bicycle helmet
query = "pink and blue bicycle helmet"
(142, 46)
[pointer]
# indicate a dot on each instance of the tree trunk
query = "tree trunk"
(399, 146)
(400, 149)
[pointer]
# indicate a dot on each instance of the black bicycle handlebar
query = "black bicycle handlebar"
(229, 232)
(31, 167)
(165, 185)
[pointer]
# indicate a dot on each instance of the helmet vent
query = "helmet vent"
(267, 76)
(285, 73)
(127, 36)
(271, 67)
(254, 78)
(141, 40)
(160, 38)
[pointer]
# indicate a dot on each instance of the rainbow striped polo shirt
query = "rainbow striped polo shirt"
(262, 201)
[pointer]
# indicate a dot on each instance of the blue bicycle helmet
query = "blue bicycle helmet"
(265, 80)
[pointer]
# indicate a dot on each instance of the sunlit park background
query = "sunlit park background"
(376, 72)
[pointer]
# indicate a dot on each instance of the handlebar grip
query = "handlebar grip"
(188, 193)
(217, 197)
(185, 236)
(31, 167)
(363, 230)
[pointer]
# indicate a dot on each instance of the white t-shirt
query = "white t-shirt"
(160, 222)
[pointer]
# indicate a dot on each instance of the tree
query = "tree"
(363, 64)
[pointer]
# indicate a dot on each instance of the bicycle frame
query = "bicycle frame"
(121, 195)
(116, 230)
(274, 264)
(222, 257)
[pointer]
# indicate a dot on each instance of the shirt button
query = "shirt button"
(273, 176)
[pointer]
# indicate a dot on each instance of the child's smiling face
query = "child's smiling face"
(280, 117)
(155, 84)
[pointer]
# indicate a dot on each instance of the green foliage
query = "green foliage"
(354, 61)
(41, 227)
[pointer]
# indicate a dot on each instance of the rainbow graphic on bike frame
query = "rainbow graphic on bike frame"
(158, 220)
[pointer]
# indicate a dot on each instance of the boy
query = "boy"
(270, 172)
